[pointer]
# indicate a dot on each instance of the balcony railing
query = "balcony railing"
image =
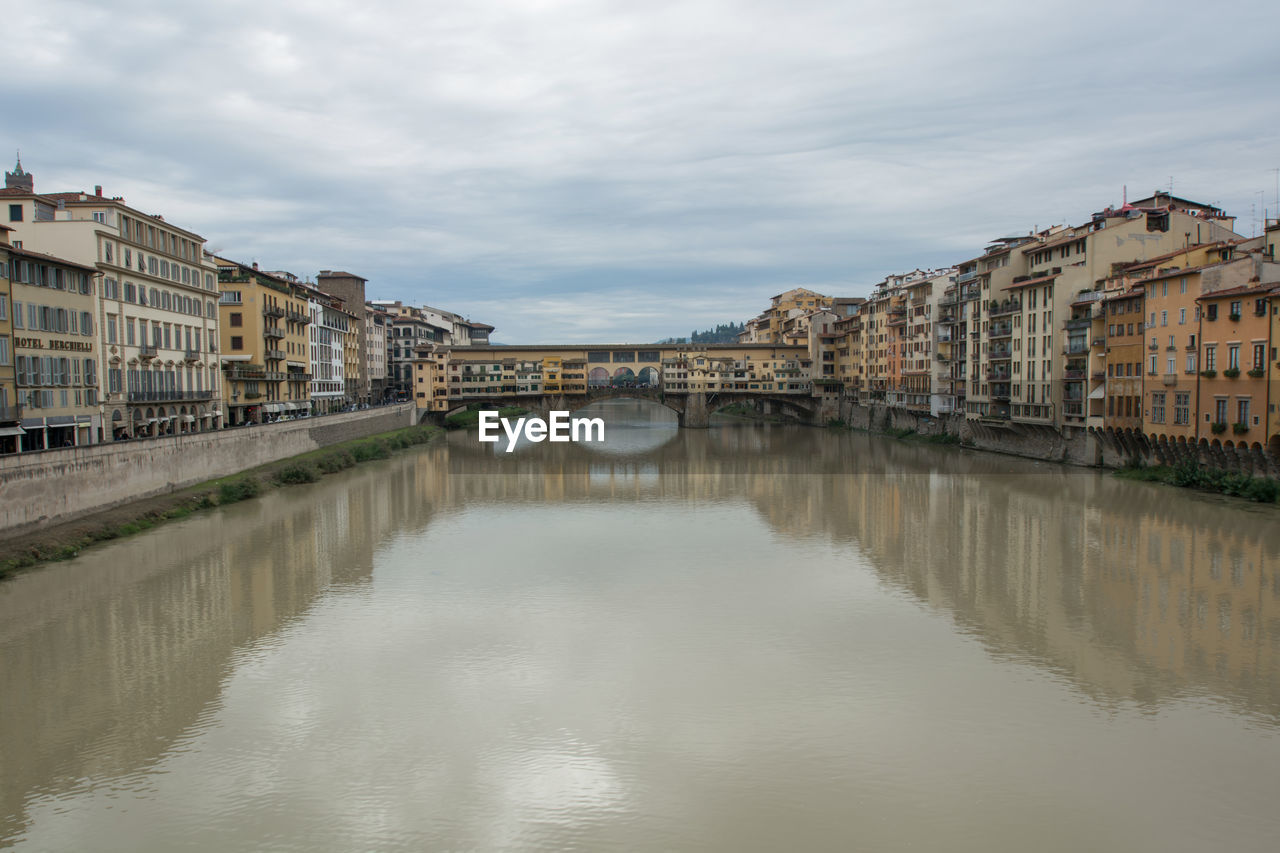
(191, 355)
(168, 396)
(1078, 323)
(1001, 330)
(1008, 307)
(297, 316)
(1075, 349)
(274, 355)
(273, 311)
(1171, 379)
(272, 332)
(148, 351)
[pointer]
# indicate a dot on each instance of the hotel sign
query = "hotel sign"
(65, 346)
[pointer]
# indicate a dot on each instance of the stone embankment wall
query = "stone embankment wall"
(38, 489)
(1075, 447)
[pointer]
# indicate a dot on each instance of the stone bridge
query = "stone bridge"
(693, 409)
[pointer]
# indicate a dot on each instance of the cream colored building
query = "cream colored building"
(156, 288)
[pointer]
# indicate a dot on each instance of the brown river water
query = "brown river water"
(752, 637)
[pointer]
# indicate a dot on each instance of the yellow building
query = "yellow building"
(55, 350)
(265, 354)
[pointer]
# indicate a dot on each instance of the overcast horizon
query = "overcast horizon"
(600, 172)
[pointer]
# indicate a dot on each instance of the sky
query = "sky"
(575, 171)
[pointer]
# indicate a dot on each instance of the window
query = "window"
(15, 213)
(1211, 312)
(1182, 407)
(1164, 318)
(112, 336)
(1153, 365)
(1157, 407)
(237, 342)
(1211, 358)
(1220, 410)
(1259, 356)
(6, 354)
(1182, 316)
(1242, 412)
(1233, 356)
(1235, 308)
(1191, 362)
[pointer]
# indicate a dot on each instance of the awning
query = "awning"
(152, 420)
(12, 430)
(272, 407)
(189, 419)
(227, 358)
(1098, 393)
(207, 415)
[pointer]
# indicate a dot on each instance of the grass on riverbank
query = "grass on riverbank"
(64, 541)
(470, 419)
(1189, 475)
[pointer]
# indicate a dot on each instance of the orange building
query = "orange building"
(1235, 339)
(1125, 339)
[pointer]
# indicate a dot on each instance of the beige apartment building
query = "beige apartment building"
(375, 341)
(265, 354)
(156, 289)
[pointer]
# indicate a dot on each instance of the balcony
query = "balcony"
(273, 332)
(297, 316)
(1009, 306)
(1075, 349)
(274, 355)
(1073, 374)
(272, 311)
(246, 371)
(1001, 330)
(191, 355)
(1171, 379)
(997, 376)
(1098, 342)
(168, 396)
(1000, 355)
(1078, 323)
(148, 351)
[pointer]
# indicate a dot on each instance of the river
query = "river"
(752, 637)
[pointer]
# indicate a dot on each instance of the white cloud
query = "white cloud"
(494, 156)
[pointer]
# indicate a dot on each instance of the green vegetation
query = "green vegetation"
(304, 468)
(724, 333)
(470, 419)
(240, 489)
(1191, 475)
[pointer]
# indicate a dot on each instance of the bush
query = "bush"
(331, 463)
(1257, 373)
(1231, 372)
(1218, 427)
(1208, 374)
(292, 475)
(238, 490)
(376, 449)
(836, 423)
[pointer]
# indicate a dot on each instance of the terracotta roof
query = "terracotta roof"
(50, 258)
(1234, 291)
(1041, 280)
(1128, 294)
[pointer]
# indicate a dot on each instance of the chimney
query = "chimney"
(97, 190)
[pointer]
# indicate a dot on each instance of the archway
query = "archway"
(648, 377)
(624, 377)
(598, 377)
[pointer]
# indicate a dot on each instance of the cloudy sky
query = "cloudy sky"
(618, 171)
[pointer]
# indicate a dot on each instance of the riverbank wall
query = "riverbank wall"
(55, 486)
(1072, 446)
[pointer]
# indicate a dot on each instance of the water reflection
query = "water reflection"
(454, 582)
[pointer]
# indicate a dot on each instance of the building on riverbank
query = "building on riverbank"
(264, 319)
(55, 351)
(350, 288)
(154, 285)
(376, 322)
(10, 429)
(332, 352)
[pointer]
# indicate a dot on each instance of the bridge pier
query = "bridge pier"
(694, 415)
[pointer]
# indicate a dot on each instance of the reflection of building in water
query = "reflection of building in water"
(1135, 593)
(109, 658)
